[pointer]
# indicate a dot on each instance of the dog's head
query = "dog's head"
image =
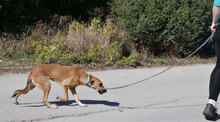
(96, 84)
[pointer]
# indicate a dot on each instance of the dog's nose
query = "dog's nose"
(102, 91)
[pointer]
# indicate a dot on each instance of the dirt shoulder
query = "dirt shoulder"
(23, 67)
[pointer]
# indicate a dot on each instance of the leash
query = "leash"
(170, 67)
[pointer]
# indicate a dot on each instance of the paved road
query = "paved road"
(177, 95)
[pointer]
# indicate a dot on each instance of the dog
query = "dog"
(69, 77)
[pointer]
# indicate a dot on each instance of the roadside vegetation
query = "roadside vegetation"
(111, 33)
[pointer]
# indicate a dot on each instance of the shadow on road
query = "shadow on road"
(73, 103)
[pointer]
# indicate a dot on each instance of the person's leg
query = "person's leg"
(210, 111)
(214, 85)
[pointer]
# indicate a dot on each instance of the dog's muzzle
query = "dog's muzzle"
(102, 91)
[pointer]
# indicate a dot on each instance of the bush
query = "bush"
(94, 53)
(173, 27)
(95, 42)
(7, 47)
(129, 61)
(50, 51)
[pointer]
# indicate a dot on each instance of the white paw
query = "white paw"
(83, 105)
(53, 107)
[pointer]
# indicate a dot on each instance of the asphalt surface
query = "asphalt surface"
(179, 94)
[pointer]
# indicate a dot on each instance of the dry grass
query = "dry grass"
(81, 36)
(43, 32)
(95, 38)
(7, 47)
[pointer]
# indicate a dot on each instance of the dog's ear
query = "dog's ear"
(92, 82)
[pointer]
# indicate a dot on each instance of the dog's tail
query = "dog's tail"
(28, 87)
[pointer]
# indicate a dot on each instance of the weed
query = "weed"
(113, 52)
(130, 61)
(95, 42)
(94, 53)
(24, 57)
(160, 61)
(50, 51)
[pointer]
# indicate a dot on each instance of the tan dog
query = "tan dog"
(68, 76)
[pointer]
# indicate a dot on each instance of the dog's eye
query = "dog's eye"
(92, 82)
(100, 84)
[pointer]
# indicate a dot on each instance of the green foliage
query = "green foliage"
(24, 57)
(95, 25)
(171, 27)
(50, 51)
(96, 42)
(162, 28)
(161, 61)
(113, 53)
(94, 53)
(129, 61)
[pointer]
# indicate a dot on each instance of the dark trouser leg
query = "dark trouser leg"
(214, 86)
(210, 111)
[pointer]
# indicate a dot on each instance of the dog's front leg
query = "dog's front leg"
(65, 90)
(73, 90)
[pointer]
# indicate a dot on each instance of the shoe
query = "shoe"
(210, 112)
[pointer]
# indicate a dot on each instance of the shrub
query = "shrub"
(112, 54)
(24, 57)
(95, 42)
(49, 51)
(130, 61)
(171, 27)
(94, 53)
(7, 47)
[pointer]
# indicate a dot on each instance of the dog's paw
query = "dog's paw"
(83, 105)
(16, 103)
(61, 99)
(53, 107)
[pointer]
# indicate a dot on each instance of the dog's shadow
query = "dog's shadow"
(73, 103)
(88, 102)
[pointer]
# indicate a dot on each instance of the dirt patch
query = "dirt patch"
(24, 67)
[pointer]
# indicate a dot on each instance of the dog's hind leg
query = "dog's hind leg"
(46, 89)
(65, 90)
(17, 93)
(43, 83)
(73, 90)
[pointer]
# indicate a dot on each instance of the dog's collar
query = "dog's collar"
(87, 82)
